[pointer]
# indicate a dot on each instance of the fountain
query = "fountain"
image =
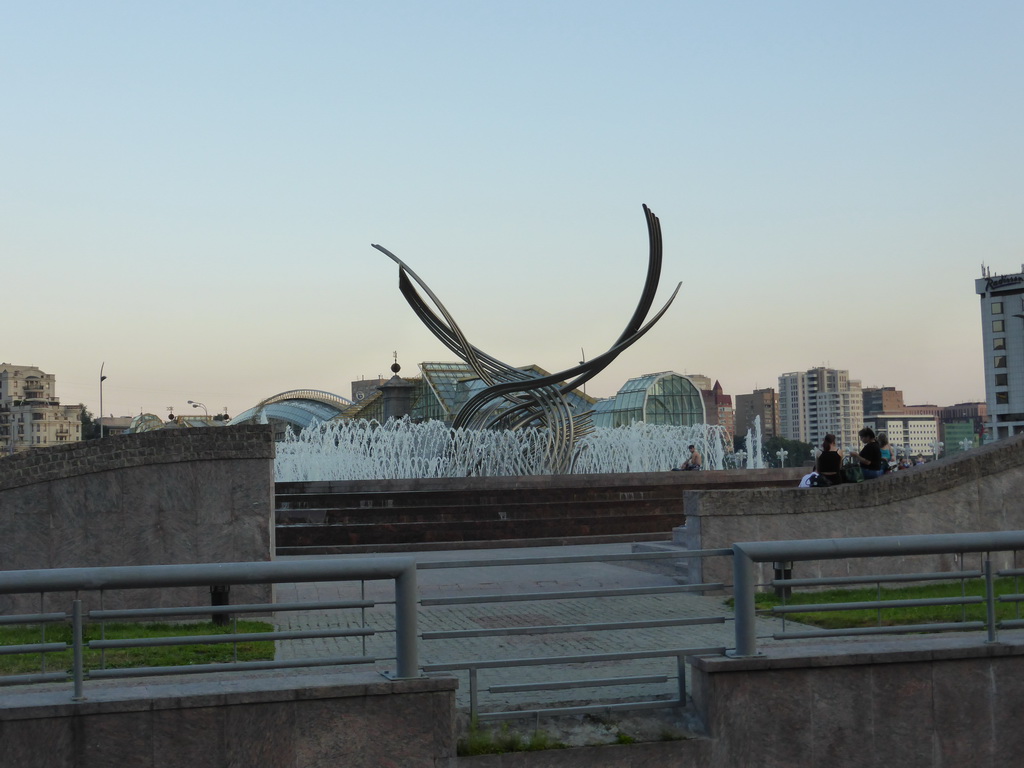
(362, 450)
(753, 442)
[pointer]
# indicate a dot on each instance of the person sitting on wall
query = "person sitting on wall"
(888, 456)
(870, 455)
(830, 461)
(694, 461)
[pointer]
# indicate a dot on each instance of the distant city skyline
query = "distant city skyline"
(190, 191)
(184, 407)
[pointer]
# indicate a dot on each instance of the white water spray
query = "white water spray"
(362, 450)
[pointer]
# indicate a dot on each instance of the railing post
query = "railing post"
(990, 601)
(472, 694)
(681, 672)
(406, 636)
(743, 598)
(77, 671)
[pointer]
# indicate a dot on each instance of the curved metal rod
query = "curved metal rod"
(448, 337)
(469, 351)
(451, 330)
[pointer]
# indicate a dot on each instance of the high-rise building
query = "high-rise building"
(1002, 334)
(975, 413)
(763, 403)
(31, 416)
(699, 380)
(909, 434)
(882, 400)
(818, 402)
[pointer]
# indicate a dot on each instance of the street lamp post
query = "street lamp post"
(741, 458)
(782, 453)
(102, 379)
(194, 404)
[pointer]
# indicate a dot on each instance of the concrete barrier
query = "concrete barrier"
(170, 496)
(320, 718)
(976, 491)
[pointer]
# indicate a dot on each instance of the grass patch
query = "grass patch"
(482, 741)
(895, 616)
(163, 656)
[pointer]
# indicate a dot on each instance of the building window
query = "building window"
(999, 361)
(998, 326)
(997, 307)
(1001, 379)
(999, 343)
(1002, 398)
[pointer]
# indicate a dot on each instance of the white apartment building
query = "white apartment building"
(1002, 334)
(910, 434)
(818, 402)
(31, 416)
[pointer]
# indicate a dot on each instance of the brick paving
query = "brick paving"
(507, 580)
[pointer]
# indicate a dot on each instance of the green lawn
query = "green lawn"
(894, 616)
(172, 655)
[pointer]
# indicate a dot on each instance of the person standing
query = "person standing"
(870, 455)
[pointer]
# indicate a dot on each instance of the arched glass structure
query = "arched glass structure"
(657, 398)
(297, 407)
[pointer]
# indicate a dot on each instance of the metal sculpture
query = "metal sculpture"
(515, 399)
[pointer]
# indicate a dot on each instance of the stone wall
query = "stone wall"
(257, 720)
(976, 491)
(912, 702)
(170, 496)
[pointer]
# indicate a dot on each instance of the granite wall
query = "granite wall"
(976, 491)
(258, 720)
(912, 702)
(170, 496)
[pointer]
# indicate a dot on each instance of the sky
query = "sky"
(189, 191)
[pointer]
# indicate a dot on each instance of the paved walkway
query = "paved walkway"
(494, 579)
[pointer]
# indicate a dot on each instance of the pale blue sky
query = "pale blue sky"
(189, 191)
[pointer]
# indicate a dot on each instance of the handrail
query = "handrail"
(401, 569)
(750, 552)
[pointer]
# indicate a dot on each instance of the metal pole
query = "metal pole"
(405, 623)
(990, 602)
(472, 694)
(102, 379)
(743, 598)
(681, 672)
(76, 644)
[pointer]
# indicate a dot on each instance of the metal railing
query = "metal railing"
(595, 661)
(400, 569)
(783, 553)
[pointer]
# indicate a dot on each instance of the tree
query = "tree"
(90, 429)
(799, 452)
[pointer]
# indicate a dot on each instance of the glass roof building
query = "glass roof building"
(297, 408)
(656, 398)
(441, 391)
